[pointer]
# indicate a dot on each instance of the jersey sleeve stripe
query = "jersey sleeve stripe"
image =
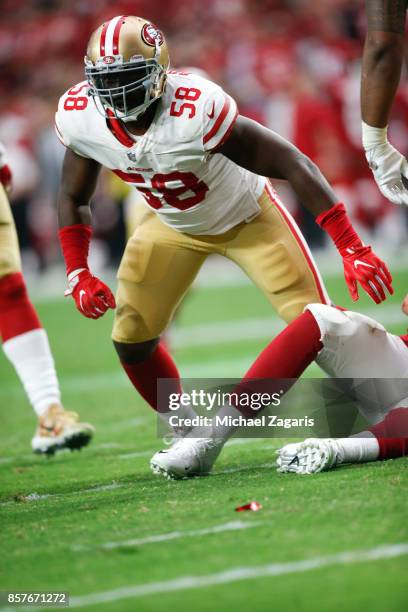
(228, 132)
(218, 123)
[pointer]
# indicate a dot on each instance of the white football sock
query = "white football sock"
(31, 357)
(227, 412)
(183, 412)
(358, 449)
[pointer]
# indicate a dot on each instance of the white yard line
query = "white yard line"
(209, 334)
(113, 445)
(32, 497)
(172, 535)
(245, 468)
(258, 328)
(137, 454)
(238, 574)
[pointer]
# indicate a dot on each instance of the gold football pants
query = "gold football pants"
(160, 264)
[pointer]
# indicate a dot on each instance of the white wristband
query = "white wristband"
(373, 136)
(72, 279)
(74, 273)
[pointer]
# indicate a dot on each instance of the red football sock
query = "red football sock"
(286, 357)
(392, 434)
(17, 314)
(144, 376)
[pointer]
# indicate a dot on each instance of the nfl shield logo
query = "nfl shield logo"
(132, 156)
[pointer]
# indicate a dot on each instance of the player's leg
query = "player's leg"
(25, 344)
(273, 253)
(271, 250)
(195, 456)
(358, 348)
(385, 440)
(158, 267)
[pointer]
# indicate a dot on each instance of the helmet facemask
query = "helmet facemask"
(125, 89)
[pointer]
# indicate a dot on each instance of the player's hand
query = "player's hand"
(389, 167)
(363, 266)
(92, 297)
(390, 170)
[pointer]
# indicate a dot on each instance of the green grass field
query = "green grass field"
(101, 526)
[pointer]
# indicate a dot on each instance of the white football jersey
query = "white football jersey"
(191, 189)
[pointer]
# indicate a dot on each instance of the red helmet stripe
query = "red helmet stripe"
(110, 36)
(116, 32)
(103, 39)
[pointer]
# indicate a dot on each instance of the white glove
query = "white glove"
(389, 167)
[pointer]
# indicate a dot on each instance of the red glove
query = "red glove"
(92, 297)
(360, 263)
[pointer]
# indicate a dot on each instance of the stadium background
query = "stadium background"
(294, 65)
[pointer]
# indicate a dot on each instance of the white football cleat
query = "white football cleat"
(59, 429)
(188, 457)
(309, 457)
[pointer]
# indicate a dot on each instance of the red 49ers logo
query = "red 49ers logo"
(151, 34)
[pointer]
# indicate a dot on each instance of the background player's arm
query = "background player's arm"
(382, 59)
(78, 182)
(264, 152)
(79, 175)
(382, 62)
(260, 150)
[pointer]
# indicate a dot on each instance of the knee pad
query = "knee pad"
(134, 353)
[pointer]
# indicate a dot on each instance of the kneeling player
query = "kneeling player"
(347, 345)
(25, 343)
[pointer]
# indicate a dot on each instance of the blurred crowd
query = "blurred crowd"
(294, 65)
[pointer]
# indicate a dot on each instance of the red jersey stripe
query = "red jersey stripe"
(218, 122)
(227, 133)
(115, 126)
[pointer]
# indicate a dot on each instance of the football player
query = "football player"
(25, 342)
(350, 346)
(178, 138)
(382, 61)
